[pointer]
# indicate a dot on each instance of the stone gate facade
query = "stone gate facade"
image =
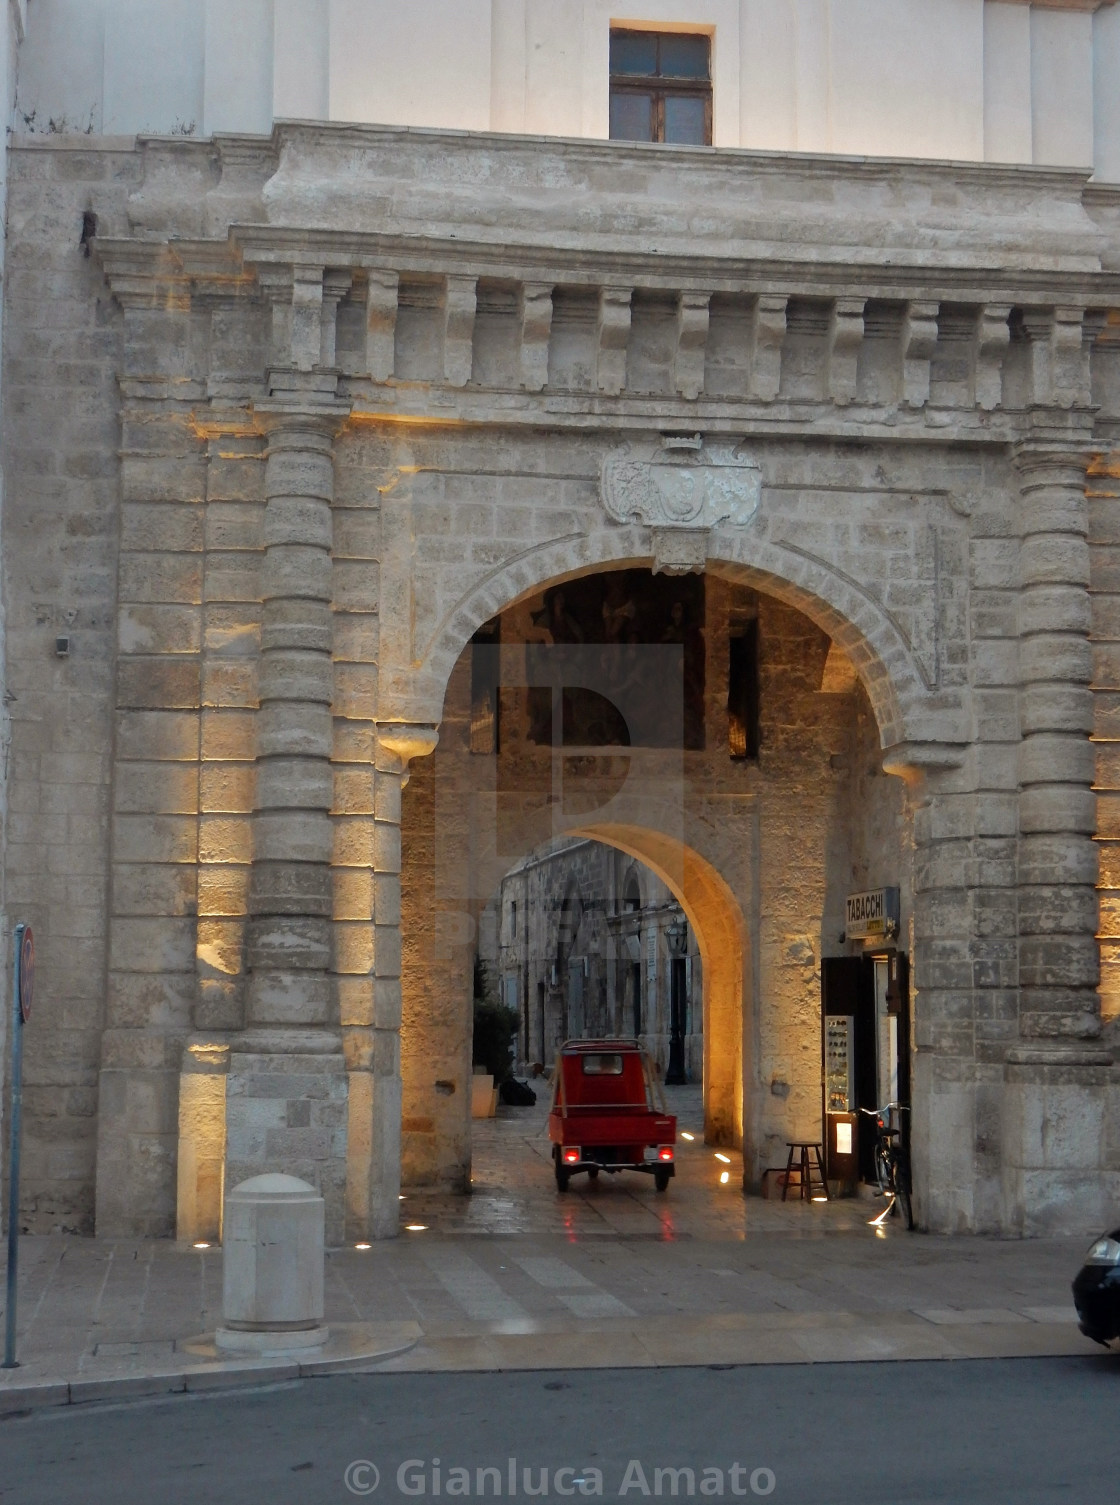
(319, 406)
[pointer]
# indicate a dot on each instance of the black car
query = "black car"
(1096, 1291)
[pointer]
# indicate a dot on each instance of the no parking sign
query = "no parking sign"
(26, 964)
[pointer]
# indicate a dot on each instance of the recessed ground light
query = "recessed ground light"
(401, 1198)
(416, 1227)
(820, 1199)
(725, 1158)
(201, 1245)
(363, 1246)
(689, 1137)
(724, 1177)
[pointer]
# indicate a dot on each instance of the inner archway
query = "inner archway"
(718, 923)
(755, 792)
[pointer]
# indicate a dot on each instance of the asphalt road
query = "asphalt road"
(1020, 1431)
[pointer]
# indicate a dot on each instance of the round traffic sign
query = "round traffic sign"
(26, 974)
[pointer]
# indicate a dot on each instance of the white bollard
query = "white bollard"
(273, 1257)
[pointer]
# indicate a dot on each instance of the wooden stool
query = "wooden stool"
(801, 1148)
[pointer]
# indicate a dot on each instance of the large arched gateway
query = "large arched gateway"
(375, 391)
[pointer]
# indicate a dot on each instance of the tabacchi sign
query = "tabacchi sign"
(872, 913)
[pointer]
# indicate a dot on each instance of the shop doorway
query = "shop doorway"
(865, 1053)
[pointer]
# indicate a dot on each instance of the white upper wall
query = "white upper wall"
(996, 80)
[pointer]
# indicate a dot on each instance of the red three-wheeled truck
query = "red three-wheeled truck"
(608, 1113)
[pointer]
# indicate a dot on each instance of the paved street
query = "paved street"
(519, 1277)
(1001, 1433)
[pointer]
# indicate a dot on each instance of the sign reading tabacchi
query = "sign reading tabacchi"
(872, 913)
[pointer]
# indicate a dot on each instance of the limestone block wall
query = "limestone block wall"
(11, 32)
(272, 479)
(63, 351)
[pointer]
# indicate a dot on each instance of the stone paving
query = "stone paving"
(613, 1273)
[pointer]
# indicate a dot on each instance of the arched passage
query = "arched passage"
(720, 928)
(759, 854)
(894, 662)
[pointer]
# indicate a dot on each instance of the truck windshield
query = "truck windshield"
(604, 1065)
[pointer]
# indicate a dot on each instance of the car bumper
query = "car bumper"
(1096, 1295)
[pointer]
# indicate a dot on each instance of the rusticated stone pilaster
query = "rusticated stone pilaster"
(290, 893)
(1058, 954)
(286, 1096)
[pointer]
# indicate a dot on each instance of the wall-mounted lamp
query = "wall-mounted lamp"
(676, 934)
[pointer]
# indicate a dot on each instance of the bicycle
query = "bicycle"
(892, 1163)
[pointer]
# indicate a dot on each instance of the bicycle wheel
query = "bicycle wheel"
(883, 1172)
(901, 1179)
(902, 1202)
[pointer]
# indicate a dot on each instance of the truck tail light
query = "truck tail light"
(570, 1155)
(665, 1152)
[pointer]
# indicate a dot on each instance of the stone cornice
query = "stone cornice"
(217, 267)
(730, 159)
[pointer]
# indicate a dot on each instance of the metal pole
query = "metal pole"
(10, 1361)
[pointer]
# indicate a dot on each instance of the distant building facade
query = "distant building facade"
(587, 942)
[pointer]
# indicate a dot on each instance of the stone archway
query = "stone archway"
(722, 933)
(897, 680)
(702, 839)
(724, 940)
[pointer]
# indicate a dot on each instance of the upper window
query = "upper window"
(661, 87)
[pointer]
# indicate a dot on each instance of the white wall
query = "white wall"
(908, 77)
(1062, 86)
(237, 93)
(1106, 93)
(420, 62)
(1008, 133)
(301, 59)
(154, 59)
(997, 79)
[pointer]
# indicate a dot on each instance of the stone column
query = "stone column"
(1057, 808)
(1055, 1098)
(287, 1095)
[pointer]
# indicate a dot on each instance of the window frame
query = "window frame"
(659, 85)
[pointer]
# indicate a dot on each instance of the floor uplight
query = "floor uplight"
(363, 1246)
(724, 1177)
(820, 1199)
(201, 1245)
(689, 1137)
(416, 1227)
(725, 1158)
